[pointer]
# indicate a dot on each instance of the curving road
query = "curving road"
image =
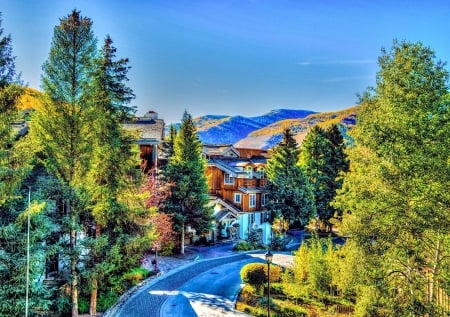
(202, 288)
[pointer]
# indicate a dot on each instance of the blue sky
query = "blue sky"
(236, 57)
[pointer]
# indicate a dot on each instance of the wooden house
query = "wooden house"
(236, 183)
(150, 133)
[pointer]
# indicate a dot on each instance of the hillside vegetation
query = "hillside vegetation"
(266, 130)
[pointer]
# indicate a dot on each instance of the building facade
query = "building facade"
(236, 182)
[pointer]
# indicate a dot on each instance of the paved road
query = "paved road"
(206, 287)
(148, 301)
(212, 293)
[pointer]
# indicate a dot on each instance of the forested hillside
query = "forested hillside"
(266, 130)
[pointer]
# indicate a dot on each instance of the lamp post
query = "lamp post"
(269, 257)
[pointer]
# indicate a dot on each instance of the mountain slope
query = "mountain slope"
(269, 136)
(265, 131)
(216, 129)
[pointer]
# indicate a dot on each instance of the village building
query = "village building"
(150, 133)
(236, 183)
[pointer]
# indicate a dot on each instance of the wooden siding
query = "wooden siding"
(217, 186)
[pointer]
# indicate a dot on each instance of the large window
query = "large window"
(252, 200)
(237, 198)
(263, 200)
(229, 180)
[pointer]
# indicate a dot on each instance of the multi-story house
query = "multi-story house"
(150, 133)
(236, 182)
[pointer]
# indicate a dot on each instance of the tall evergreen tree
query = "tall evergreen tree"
(63, 127)
(323, 159)
(112, 171)
(396, 193)
(289, 191)
(185, 174)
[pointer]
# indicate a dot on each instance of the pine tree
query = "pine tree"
(185, 174)
(112, 166)
(63, 128)
(323, 159)
(289, 191)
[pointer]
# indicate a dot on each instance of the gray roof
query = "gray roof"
(151, 131)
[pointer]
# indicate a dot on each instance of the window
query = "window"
(249, 171)
(251, 219)
(228, 179)
(252, 200)
(261, 172)
(263, 200)
(237, 198)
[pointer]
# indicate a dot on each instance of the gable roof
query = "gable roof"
(220, 150)
(150, 130)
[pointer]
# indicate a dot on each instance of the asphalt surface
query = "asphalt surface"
(149, 299)
(204, 282)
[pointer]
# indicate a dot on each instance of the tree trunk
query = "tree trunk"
(182, 239)
(73, 261)
(434, 271)
(94, 292)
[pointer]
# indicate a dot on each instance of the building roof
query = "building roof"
(220, 150)
(151, 130)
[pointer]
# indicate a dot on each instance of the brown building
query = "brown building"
(150, 133)
(236, 183)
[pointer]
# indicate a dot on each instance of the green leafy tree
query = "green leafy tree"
(396, 192)
(323, 159)
(185, 174)
(289, 191)
(16, 174)
(63, 128)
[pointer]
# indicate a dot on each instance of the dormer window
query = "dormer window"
(228, 179)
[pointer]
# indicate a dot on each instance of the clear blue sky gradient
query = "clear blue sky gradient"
(236, 57)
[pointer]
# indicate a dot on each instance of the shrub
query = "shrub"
(275, 273)
(106, 300)
(254, 274)
(293, 311)
(242, 246)
(278, 242)
(136, 275)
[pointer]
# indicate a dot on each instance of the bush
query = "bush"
(106, 300)
(275, 273)
(254, 274)
(293, 311)
(242, 246)
(136, 275)
(278, 242)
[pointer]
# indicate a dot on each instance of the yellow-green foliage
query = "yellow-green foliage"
(136, 275)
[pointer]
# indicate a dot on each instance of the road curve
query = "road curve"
(149, 299)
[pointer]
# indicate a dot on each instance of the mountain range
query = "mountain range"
(265, 131)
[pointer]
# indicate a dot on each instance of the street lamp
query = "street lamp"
(269, 257)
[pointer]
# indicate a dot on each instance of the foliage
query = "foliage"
(289, 191)
(135, 275)
(396, 194)
(185, 174)
(242, 246)
(254, 274)
(255, 237)
(278, 242)
(323, 159)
